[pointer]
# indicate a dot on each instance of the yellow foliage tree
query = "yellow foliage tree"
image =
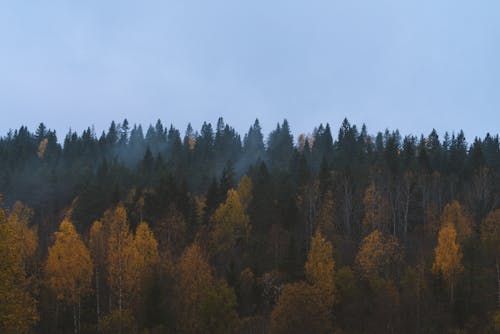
(319, 267)
(121, 255)
(97, 244)
(245, 191)
(147, 251)
(69, 267)
(454, 215)
(195, 279)
(18, 311)
(379, 256)
(19, 219)
(231, 223)
(448, 256)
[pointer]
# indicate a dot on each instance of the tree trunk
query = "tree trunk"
(97, 296)
(57, 316)
(79, 316)
(75, 328)
(347, 205)
(451, 290)
(498, 281)
(406, 209)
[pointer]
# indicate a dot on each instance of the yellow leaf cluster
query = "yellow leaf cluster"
(195, 279)
(378, 256)
(447, 253)
(121, 254)
(17, 307)
(147, 250)
(454, 215)
(69, 267)
(245, 191)
(130, 260)
(231, 223)
(319, 267)
(19, 219)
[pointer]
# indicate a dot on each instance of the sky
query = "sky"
(411, 65)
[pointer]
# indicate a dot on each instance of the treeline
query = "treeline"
(152, 231)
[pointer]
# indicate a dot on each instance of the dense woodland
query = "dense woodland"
(153, 231)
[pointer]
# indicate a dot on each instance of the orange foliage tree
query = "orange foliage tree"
(300, 310)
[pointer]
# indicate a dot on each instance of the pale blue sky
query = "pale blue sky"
(412, 65)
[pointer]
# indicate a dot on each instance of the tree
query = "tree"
(448, 256)
(69, 268)
(147, 252)
(245, 191)
(319, 267)
(376, 215)
(97, 244)
(454, 215)
(326, 223)
(18, 313)
(19, 219)
(378, 257)
(144, 268)
(300, 310)
(231, 223)
(253, 142)
(121, 255)
(195, 279)
(490, 235)
(171, 231)
(218, 310)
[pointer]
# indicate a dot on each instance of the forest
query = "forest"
(336, 231)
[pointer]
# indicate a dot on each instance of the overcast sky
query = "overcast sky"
(411, 65)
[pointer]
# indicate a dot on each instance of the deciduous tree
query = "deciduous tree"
(97, 245)
(245, 191)
(300, 310)
(448, 256)
(69, 268)
(376, 216)
(231, 223)
(490, 235)
(18, 312)
(454, 215)
(319, 267)
(194, 281)
(121, 255)
(379, 256)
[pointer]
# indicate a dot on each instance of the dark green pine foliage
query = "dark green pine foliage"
(280, 147)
